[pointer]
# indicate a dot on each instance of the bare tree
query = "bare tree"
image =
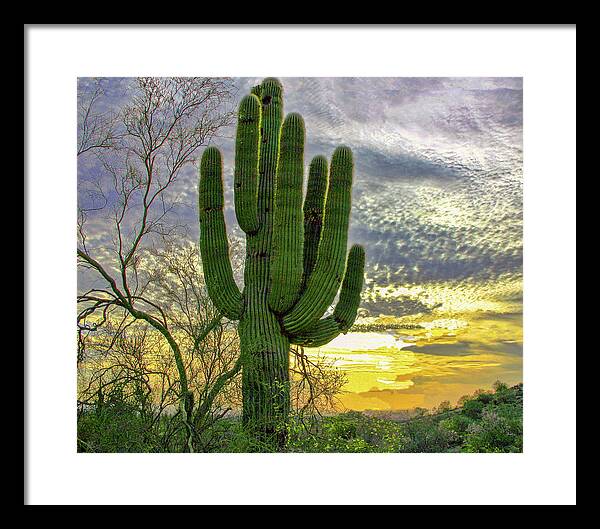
(316, 384)
(129, 366)
(137, 152)
(96, 127)
(211, 350)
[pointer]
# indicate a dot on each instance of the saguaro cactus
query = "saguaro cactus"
(295, 249)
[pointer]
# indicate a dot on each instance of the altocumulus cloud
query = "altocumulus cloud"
(437, 197)
(438, 184)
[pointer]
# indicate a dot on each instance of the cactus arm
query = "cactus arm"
(314, 204)
(214, 247)
(246, 164)
(321, 333)
(347, 306)
(272, 110)
(325, 280)
(288, 219)
(344, 314)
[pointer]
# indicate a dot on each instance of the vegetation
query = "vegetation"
(295, 250)
(131, 157)
(169, 348)
(484, 422)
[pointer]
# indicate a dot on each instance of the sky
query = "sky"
(438, 205)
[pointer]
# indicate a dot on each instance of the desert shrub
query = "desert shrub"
(487, 422)
(500, 386)
(230, 435)
(343, 427)
(457, 424)
(428, 435)
(473, 408)
(499, 430)
(420, 412)
(503, 394)
(443, 407)
(485, 398)
(113, 427)
(346, 432)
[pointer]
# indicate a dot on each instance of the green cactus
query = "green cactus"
(295, 248)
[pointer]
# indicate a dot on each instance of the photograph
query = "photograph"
(299, 264)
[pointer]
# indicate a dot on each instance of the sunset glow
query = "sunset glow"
(446, 359)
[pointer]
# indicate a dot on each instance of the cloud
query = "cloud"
(437, 197)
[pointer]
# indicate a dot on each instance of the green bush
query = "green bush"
(229, 435)
(457, 424)
(347, 432)
(473, 408)
(113, 428)
(486, 422)
(425, 435)
(485, 398)
(500, 430)
(500, 387)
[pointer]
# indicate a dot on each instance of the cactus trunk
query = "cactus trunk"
(295, 250)
(265, 376)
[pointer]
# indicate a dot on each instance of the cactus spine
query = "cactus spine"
(295, 248)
